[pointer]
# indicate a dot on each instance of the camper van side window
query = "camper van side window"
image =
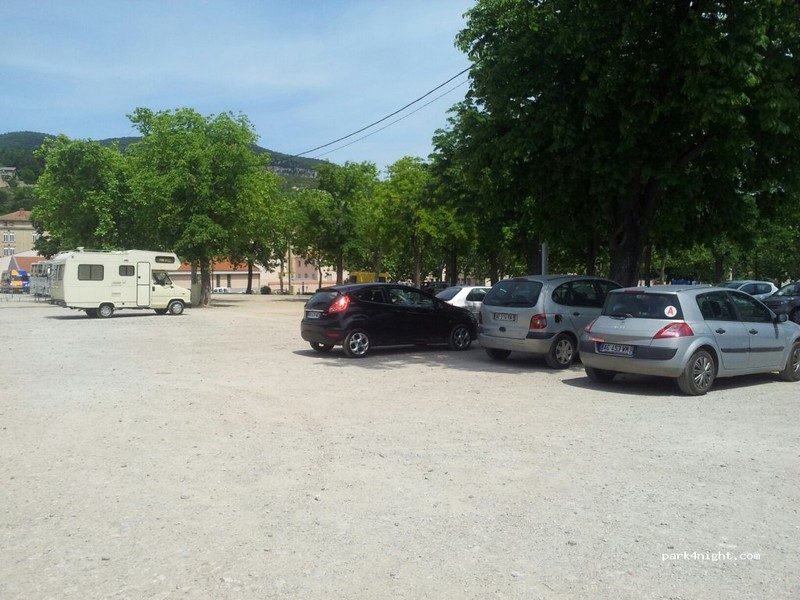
(126, 270)
(165, 259)
(90, 272)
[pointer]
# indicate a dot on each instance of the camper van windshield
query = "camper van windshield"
(161, 278)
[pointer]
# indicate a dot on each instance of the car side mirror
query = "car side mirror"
(781, 318)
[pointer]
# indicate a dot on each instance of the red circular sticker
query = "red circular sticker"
(670, 311)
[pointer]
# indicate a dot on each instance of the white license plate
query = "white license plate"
(616, 349)
(313, 314)
(505, 317)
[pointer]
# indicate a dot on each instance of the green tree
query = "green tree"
(192, 179)
(83, 196)
(336, 231)
(619, 109)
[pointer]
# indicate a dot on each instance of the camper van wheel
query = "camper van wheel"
(91, 312)
(105, 311)
(175, 307)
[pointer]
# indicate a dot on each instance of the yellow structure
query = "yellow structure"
(367, 277)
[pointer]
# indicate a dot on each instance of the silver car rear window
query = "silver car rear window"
(519, 293)
(643, 305)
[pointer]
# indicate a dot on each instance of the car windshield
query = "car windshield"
(642, 305)
(449, 293)
(788, 290)
(514, 293)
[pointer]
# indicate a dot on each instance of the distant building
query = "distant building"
(17, 231)
(8, 173)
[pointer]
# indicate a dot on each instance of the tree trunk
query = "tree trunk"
(494, 276)
(533, 256)
(282, 266)
(630, 229)
(205, 281)
(340, 268)
(664, 267)
(591, 256)
(195, 285)
(319, 269)
(417, 261)
(719, 268)
(452, 267)
(249, 277)
(648, 264)
(376, 265)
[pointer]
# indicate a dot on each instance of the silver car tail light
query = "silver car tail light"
(674, 330)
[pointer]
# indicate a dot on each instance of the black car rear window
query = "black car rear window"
(643, 305)
(514, 292)
(322, 299)
(448, 294)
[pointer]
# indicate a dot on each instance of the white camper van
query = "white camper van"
(101, 282)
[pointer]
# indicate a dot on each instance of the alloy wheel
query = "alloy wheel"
(358, 343)
(702, 372)
(796, 361)
(564, 352)
(461, 338)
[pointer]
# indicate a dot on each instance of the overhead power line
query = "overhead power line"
(389, 116)
(371, 133)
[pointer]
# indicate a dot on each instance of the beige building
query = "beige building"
(16, 233)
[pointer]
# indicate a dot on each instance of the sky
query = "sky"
(304, 72)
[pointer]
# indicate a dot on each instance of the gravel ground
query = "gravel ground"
(214, 455)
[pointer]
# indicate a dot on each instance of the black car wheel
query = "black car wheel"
(699, 374)
(460, 338)
(599, 375)
(562, 352)
(791, 371)
(356, 344)
(497, 354)
(321, 348)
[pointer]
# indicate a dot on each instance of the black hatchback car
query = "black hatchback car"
(786, 301)
(360, 317)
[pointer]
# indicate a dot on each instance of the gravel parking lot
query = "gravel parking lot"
(215, 455)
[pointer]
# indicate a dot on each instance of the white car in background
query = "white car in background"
(757, 289)
(465, 296)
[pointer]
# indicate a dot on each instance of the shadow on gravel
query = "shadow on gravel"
(640, 385)
(399, 357)
(126, 315)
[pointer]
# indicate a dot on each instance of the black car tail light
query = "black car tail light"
(339, 305)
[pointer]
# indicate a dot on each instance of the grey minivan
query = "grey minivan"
(540, 314)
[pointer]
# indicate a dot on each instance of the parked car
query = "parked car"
(786, 301)
(360, 317)
(757, 289)
(434, 287)
(690, 333)
(465, 296)
(541, 314)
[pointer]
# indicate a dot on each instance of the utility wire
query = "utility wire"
(390, 115)
(371, 133)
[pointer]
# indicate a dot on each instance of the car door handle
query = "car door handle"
(754, 331)
(720, 330)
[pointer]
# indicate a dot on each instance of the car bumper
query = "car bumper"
(659, 361)
(534, 345)
(321, 333)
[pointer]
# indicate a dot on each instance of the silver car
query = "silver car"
(540, 314)
(757, 289)
(465, 296)
(691, 333)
